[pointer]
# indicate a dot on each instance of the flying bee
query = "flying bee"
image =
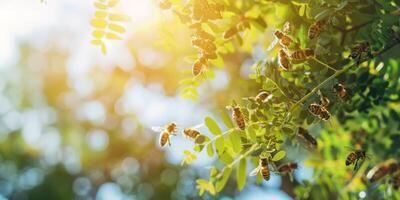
(305, 136)
(166, 132)
(354, 157)
(262, 168)
(396, 180)
(302, 54)
(197, 67)
(192, 132)
(316, 28)
(319, 111)
(358, 50)
(283, 60)
(238, 117)
(382, 170)
(282, 37)
(340, 91)
(324, 101)
(263, 97)
(287, 168)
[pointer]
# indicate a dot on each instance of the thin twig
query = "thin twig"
(324, 64)
(233, 163)
(336, 74)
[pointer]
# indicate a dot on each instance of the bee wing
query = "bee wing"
(255, 171)
(286, 28)
(273, 44)
(157, 128)
(198, 126)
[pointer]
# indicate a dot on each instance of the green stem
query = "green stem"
(336, 74)
(324, 64)
(233, 163)
(280, 89)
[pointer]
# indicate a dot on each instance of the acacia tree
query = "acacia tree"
(335, 71)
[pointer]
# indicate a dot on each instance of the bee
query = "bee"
(340, 91)
(324, 101)
(282, 37)
(238, 117)
(263, 97)
(283, 60)
(192, 132)
(165, 4)
(166, 132)
(263, 168)
(354, 157)
(287, 168)
(381, 170)
(307, 138)
(204, 44)
(302, 54)
(316, 28)
(396, 180)
(197, 67)
(319, 111)
(358, 50)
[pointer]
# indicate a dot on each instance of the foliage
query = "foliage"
(105, 23)
(372, 85)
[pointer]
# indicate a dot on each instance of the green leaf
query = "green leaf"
(251, 133)
(212, 126)
(210, 150)
(322, 15)
(200, 139)
(220, 145)
(241, 174)
(279, 156)
(226, 172)
(226, 119)
(236, 141)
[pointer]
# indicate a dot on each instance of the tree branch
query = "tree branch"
(315, 89)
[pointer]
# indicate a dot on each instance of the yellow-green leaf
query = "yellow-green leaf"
(100, 5)
(112, 3)
(98, 34)
(100, 14)
(96, 42)
(226, 172)
(241, 174)
(117, 28)
(220, 145)
(212, 126)
(278, 156)
(99, 23)
(113, 36)
(210, 150)
(236, 141)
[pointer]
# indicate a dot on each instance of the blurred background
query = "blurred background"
(76, 124)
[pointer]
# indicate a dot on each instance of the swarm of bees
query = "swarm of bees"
(308, 139)
(359, 49)
(165, 133)
(381, 170)
(200, 11)
(287, 43)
